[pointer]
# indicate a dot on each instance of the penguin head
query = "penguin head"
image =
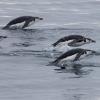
(77, 42)
(88, 40)
(37, 19)
(80, 42)
(89, 52)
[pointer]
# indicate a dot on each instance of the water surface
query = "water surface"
(24, 74)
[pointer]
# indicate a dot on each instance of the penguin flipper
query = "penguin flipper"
(5, 27)
(55, 44)
(26, 24)
(78, 56)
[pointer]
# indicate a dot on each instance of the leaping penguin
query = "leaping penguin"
(24, 20)
(74, 55)
(73, 41)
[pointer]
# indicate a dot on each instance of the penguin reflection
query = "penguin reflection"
(77, 69)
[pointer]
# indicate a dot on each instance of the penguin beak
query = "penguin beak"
(94, 52)
(41, 18)
(93, 41)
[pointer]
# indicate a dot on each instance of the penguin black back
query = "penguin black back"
(20, 19)
(69, 53)
(25, 19)
(70, 37)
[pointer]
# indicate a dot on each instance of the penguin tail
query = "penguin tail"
(55, 44)
(53, 63)
(5, 27)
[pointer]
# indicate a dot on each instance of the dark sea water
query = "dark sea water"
(24, 55)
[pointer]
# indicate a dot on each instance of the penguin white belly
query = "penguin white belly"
(64, 43)
(63, 46)
(31, 23)
(70, 58)
(18, 25)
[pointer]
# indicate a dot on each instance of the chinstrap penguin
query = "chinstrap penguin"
(74, 55)
(73, 41)
(25, 21)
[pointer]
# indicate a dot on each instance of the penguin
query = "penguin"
(26, 21)
(73, 41)
(74, 55)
